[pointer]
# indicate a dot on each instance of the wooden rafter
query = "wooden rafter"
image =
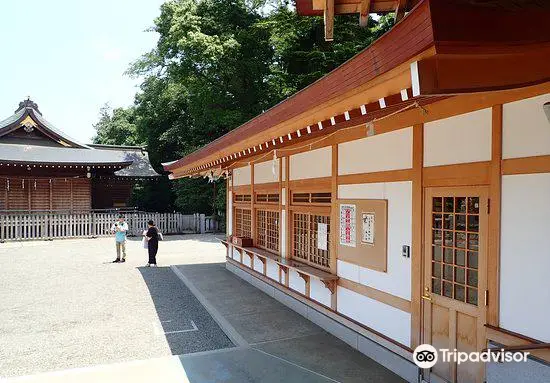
(364, 12)
(329, 20)
(400, 9)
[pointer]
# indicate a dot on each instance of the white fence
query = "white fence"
(49, 225)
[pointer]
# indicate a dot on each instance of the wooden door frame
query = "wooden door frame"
(481, 311)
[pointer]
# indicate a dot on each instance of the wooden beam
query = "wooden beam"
(364, 12)
(329, 20)
(495, 194)
(400, 9)
(417, 232)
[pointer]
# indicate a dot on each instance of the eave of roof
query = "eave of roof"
(432, 33)
(133, 163)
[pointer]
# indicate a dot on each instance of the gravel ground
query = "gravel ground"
(64, 305)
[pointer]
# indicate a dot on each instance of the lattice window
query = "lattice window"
(455, 245)
(243, 222)
(311, 198)
(267, 229)
(267, 198)
(242, 198)
(305, 239)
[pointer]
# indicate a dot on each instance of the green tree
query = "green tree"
(116, 127)
(217, 64)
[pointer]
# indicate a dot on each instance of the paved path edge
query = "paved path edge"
(226, 327)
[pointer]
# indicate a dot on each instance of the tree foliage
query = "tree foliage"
(217, 64)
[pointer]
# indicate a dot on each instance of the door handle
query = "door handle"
(427, 295)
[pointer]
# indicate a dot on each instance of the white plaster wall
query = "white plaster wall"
(246, 260)
(388, 151)
(236, 254)
(272, 270)
(459, 139)
(295, 282)
(312, 164)
(383, 318)
(283, 196)
(525, 128)
(242, 176)
(318, 292)
(283, 176)
(230, 215)
(397, 279)
(263, 172)
(525, 255)
(258, 265)
(282, 233)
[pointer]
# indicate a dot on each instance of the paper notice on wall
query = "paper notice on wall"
(347, 225)
(322, 236)
(367, 233)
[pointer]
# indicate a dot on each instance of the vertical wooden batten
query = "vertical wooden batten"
(495, 193)
(417, 253)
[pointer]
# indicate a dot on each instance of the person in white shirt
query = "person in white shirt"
(119, 229)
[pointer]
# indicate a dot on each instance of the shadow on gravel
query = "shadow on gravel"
(183, 321)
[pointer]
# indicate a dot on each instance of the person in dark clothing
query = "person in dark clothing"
(152, 236)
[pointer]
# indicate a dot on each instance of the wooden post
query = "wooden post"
(334, 220)
(288, 213)
(364, 12)
(252, 212)
(417, 232)
(495, 195)
(329, 20)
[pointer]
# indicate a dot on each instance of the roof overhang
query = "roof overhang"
(440, 49)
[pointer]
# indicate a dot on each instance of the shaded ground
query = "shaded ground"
(63, 305)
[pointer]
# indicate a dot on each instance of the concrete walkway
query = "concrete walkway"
(269, 334)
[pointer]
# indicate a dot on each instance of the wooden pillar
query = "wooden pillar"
(280, 181)
(329, 20)
(417, 233)
(334, 220)
(495, 195)
(288, 213)
(252, 212)
(364, 12)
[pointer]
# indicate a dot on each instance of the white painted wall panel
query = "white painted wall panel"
(265, 173)
(283, 177)
(347, 270)
(246, 260)
(242, 176)
(383, 318)
(312, 164)
(229, 229)
(272, 270)
(525, 255)
(459, 139)
(283, 233)
(236, 254)
(525, 128)
(397, 279)
(319, 292)
(283, 196)
(258, 265)
(388, 151)
(295, 282)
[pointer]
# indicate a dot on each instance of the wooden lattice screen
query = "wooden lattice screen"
(267, 229)
(243, 222)
(304, 242)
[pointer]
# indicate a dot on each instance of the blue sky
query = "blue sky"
(70, 56)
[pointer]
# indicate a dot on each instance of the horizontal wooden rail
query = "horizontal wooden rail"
(521, 347)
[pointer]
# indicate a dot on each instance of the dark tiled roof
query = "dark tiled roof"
(135, 160)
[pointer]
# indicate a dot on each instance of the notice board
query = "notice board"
(363, 232)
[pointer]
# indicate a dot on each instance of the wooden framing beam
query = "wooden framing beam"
(329, 20)
(364, 12)
(400, 9)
